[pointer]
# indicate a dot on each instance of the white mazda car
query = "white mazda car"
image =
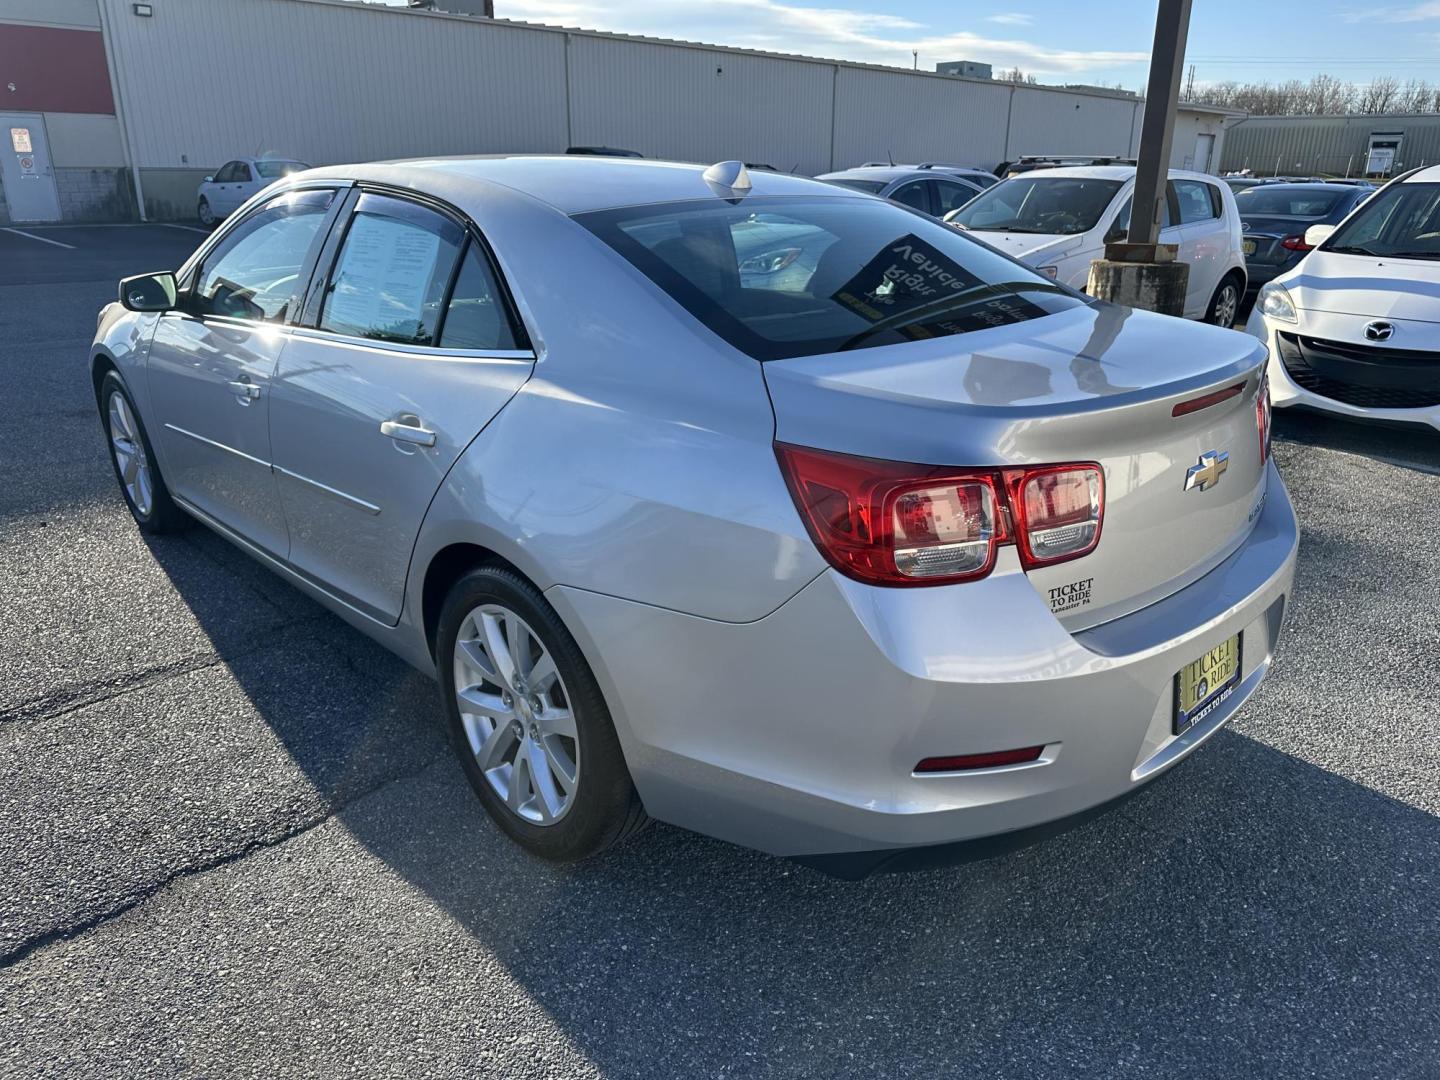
(1355, 328)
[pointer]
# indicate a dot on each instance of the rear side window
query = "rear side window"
(1193, 198)
(254, 272)
(787, 277)
(476, 318)
(392, 273)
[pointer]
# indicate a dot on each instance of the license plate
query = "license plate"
(1247, 246)
(1203, 684)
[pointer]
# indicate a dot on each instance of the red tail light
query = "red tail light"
(992, 760)
(891, 523)
(1262, 416)
(1294, 243)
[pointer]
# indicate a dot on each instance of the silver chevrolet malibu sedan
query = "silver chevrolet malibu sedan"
(773, 510)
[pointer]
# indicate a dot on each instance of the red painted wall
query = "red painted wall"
(53, 70)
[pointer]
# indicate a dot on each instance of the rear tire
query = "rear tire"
(1225, 304)
(528, 721)
(133, 458)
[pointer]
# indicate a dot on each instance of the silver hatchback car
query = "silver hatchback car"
(774, 511)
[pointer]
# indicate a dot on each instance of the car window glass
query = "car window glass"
(226, 172)
(951, 196)
(1282, 200)
(1402, 219)
(273, 170)
(254, 272)
(475, 318)
(1122, 219)
(1058, 205)
(792, 276)
(242, 173)
(912, 194)
(392, 273)
(1193, 198)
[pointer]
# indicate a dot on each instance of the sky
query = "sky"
(1057, 40)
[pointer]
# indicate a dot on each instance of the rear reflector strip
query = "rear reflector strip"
(992, 760)
(1185, 408)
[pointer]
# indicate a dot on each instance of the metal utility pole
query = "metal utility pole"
(1157, 129)
(1141, 272)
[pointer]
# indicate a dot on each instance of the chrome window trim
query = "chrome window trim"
(428, 352)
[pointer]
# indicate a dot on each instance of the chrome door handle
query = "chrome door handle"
(246, 390)
(407, 433)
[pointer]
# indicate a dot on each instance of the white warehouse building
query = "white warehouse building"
(109, 106)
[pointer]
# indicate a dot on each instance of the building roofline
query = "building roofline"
(1377, 118)
(576, 31)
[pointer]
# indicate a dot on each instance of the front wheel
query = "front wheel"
(529, 722)
(134, 460)
(1225, 304)
(207, 215)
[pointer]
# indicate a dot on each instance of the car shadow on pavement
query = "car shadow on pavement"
(1249, 911)
(1410, 445)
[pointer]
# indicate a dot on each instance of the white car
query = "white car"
(220, 195)
(1059, 220)
(1354, 329)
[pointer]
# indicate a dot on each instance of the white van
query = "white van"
(1058, 221)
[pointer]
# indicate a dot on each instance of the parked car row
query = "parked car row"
(815, 524)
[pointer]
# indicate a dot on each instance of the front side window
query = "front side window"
(242, 173)
(951, 196)
(912, 195)
(1401, 222)
(226, 173)
(1053, 205)
(394, 267)
(1193, 199)
(787, 277)
(254, 272)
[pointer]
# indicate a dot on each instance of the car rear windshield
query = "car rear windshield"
(1401, 222)
(273, 170)
(1277, 200)
(785, 277)
(870, 187)
(1054, 205)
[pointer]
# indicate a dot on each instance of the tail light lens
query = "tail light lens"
(1060, 513)
(1294, 243)
(891, 523)
(1262, 416)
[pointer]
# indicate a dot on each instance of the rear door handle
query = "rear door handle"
(247, 391)
(407, 433)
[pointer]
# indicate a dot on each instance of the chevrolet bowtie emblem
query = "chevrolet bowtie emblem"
(1207, 474)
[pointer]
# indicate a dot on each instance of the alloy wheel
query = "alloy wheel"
(130, 456)
(517, 714)
(1226, 306)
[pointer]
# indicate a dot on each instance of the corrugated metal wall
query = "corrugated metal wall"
(1046, 122)
(206, 80)
(891, 115)
(1326, 144)
(699, 105)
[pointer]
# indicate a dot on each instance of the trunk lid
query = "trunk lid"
(1267, 232)
(1096, 383)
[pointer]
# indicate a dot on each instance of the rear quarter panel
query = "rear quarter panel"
(638, 460)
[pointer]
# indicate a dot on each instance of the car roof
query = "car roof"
(1428, 175)
(1107, 172)
(879, 172)
(1318, 185)
(572, 183)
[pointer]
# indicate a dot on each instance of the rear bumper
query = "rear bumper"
(798, 734)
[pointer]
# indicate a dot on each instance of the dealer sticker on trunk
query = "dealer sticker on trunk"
(1069, 597)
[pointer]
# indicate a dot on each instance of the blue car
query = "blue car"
(1274, 218)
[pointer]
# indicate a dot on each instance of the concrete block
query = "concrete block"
(1148, 286)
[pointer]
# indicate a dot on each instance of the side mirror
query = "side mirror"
(208, 180)
(149, 292)
(1316, 235)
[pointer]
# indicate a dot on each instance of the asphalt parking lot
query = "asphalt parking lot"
(234, 842)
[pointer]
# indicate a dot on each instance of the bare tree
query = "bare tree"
(1323, 95)
(1380, 96)
(1015, 75)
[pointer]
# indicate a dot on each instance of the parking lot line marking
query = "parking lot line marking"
(187, 228)
(43, 240)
